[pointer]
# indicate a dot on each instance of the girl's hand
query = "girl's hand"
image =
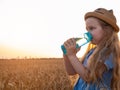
(70, 46)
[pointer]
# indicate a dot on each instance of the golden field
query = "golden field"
(35, 74)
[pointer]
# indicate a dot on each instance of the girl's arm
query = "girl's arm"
(69, 68)
(77, 66)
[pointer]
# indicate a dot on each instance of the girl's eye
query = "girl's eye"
(91, 28)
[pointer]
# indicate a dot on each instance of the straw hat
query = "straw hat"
(105, 15)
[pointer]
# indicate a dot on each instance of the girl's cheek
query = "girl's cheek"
(92, 33)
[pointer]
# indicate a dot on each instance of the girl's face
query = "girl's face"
(94, 27)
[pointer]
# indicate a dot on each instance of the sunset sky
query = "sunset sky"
(37, 28)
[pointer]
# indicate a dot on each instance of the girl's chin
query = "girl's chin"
(93, 42)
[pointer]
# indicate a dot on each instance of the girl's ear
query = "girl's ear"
(111, 11)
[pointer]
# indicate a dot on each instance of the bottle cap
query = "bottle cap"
(88, 36)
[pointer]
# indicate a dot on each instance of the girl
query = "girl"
(99, 68)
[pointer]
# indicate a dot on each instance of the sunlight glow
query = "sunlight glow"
(37, 28)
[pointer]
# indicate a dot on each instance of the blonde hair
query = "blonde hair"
(110, 44)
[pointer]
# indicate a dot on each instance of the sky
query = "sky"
(38, 28)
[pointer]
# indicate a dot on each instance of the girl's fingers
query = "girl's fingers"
(70, 42)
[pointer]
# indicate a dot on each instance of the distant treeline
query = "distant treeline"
(32, 59)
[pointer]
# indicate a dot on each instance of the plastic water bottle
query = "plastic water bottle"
(80, 41)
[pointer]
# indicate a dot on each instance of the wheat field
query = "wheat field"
(35, 74)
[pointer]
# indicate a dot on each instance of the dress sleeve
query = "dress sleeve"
(109, 62)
